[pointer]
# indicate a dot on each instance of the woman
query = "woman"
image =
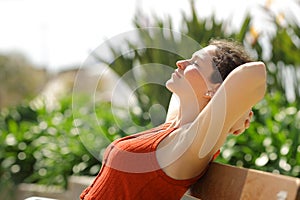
(163, 162)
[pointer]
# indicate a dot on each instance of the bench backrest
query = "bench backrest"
(229, 182)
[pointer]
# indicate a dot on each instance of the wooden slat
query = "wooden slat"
(233, 183)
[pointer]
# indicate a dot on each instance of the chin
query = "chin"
(169, 85)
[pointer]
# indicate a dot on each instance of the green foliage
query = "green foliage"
(45, 147)
(272, 141)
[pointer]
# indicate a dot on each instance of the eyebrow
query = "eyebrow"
(196, 54)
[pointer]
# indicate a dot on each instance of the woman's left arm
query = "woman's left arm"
(243, 88)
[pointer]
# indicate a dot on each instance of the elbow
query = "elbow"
(262, 71)
(262, 90)
(258, 69)
(260, 79)
(257, 73)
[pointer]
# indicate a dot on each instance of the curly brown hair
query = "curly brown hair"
(228, 56)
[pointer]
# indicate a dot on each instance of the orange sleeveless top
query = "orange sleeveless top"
(130, 171)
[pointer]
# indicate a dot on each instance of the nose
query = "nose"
(181, 64)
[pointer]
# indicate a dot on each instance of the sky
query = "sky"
(57, 34)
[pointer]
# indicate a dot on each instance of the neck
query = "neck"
(189, 111)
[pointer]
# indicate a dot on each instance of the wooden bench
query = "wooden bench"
(221, 182)
(234, 183)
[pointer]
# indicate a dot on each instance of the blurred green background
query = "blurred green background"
(41, 145)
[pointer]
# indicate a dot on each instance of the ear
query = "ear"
(210, 93)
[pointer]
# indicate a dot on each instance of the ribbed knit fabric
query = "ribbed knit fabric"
(130, 171)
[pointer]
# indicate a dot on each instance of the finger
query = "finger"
(251, 114)
(238, 132)
(247, 123)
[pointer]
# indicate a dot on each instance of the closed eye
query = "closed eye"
(195, 63)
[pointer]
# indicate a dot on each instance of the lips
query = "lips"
(177, 74)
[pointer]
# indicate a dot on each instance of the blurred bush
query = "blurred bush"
(272, 142)
(46, 146)
(41, 146)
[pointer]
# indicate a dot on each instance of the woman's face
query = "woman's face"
(192, 77)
